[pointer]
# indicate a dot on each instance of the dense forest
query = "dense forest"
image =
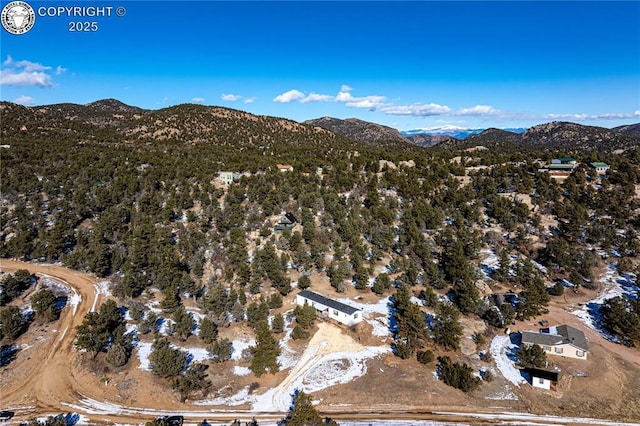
(138, 200)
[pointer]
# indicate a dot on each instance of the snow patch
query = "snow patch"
(241, 371)
(504, 355)
(613, 284)
(239, 346)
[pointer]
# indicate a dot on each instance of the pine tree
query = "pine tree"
(184, 322)
(532, 356)
(166, 361)
(44, 304)
(208, 330)
(447, 331)
(265, 353)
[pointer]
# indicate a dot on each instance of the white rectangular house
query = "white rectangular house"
(338, 311)
(562, 340)
(228, 178)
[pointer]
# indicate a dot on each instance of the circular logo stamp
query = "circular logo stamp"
(18, 17)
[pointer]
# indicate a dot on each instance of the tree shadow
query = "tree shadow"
(8, 354)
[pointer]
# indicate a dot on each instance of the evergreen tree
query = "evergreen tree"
(265, 353)
(166, 361)
(458, 375)
(532, 356)
(208, 330)
(12, 323)
(303, 413)
(221, 350)
(44, 303)
(277, 324)
(447, 330)
(184, 322)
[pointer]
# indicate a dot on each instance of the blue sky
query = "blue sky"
(409, 65)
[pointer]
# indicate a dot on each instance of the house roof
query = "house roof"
(565, 159)
(599, 164)
(283, 166)
(557, 166)
(554, 336)
(543, 374)
(318, 298)
(288, 218)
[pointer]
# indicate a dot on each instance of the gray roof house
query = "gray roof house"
(287, 221)
(332, 308)
(562, 340)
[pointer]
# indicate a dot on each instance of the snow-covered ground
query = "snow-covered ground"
(504, 355)
(527, 418)
(376, 314)
(241, 371)
(491, 263)
(613, 284)
(193, 354)
(239, 346)
(73, 298)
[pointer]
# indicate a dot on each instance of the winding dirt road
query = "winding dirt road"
(51, 381)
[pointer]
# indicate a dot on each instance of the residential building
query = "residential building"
(229, 177)
(284, 167)
(565, 160)
(542, 378)
(287, 221)
(562, 340)
(601, 168)
(333, 309)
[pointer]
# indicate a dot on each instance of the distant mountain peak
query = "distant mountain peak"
(112, 104)
(359, 130)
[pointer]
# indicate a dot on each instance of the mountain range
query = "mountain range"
(111, 120)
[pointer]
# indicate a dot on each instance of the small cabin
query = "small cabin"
(543, 379)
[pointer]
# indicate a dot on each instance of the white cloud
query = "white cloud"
(27, 73)
(358, 102)
(587, 117)
(197, 100)
(250, 100)
(27, 66)
(478, 110)
(290, 96)
(25, 100)
(417, 109)
(371, 102)
(230, 97)
(316, 97)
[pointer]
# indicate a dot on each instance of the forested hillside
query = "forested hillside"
(133, 195)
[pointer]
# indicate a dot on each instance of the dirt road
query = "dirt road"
(51, 380)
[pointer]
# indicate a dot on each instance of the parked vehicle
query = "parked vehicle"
(171, 420)
(6, 415)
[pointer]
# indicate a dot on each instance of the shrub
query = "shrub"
(117, 355)
(457, 375)
(425, 357)
(221, 350)
(557, 290)
(403, 350)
